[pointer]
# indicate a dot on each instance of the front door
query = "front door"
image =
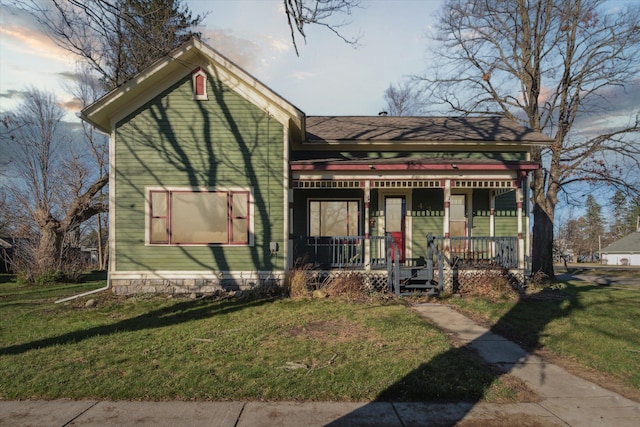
(394, 213)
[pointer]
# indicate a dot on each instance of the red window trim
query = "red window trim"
(230, 217)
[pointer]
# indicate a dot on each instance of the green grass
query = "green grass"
(596, 326)
(159, 348)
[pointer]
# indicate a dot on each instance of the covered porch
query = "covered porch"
(418, 233)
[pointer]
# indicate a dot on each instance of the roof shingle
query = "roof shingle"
(391, 128)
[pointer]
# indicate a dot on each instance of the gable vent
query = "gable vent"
(199, 78)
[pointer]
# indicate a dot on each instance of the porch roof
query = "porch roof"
(420, 129)
(326, 161)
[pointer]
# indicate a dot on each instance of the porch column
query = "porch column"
(288, 261)
(492, 213)
(520, 228)
(447, 208)
(492, 220)
(448, 272)
(367, 226)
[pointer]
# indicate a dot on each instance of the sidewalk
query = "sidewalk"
(566, 400)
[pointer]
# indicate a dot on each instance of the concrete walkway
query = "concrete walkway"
(566, 400)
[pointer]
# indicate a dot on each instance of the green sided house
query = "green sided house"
(218, 182)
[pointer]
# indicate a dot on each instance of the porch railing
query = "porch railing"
(349, 251)
(342, 251)
(481, 251)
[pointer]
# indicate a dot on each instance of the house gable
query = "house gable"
(176, 144)
(181, 62)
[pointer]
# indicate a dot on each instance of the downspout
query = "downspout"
(82, 116)
(84, 294)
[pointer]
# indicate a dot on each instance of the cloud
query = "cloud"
(279, 45)
(614, 108)
(301, 75)
(12, 94)
(240, 50)
(22, 32)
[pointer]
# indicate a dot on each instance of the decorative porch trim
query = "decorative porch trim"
(432, 183)
(483, 183)
(326, 183)
(503, 186)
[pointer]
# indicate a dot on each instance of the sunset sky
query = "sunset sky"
(329, 76)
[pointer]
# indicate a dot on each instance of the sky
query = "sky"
(330, 77)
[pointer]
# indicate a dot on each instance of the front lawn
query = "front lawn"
(587, 325)
(161, 348)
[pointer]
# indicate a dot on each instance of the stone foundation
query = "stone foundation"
(192, 286)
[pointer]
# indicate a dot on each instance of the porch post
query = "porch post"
(289, 219)
(367, 226)
(492, 220)
(448, 272)
(447, 208)
(520, 228)
(492, 213)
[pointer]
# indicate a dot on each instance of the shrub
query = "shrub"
(347, 285)
(493, 284)
(296, 282)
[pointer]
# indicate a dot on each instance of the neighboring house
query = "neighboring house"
(625, 251)
(6, 251)
(218, 181)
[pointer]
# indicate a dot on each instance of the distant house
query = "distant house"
(217, 181)
(6, 250)
(625, 251)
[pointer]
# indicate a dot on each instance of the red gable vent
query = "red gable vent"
(199, 78)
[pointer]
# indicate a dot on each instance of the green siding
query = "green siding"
(176, 141)
(506, 215)
(481, 211)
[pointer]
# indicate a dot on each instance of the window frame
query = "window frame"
(231, 215)
(347, 201)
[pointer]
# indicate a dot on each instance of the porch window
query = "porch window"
(333, 217)
(198, 217)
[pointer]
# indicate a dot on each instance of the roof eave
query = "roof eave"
(412, 166)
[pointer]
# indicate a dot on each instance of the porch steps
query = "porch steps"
(420, 280)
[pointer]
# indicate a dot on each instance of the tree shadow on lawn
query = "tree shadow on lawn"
(464, 384)
(168, 316)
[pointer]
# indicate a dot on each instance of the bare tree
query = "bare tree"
(405, 99)
(550, 64)
(301, 13)
(117, 38)
(87, 89)
(50, 190)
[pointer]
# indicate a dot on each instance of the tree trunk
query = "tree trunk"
(49, 248)
(542, 253)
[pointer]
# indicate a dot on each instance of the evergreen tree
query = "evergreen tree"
(594, 226)
(617, 228)
(632, 214)
(116, 38)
